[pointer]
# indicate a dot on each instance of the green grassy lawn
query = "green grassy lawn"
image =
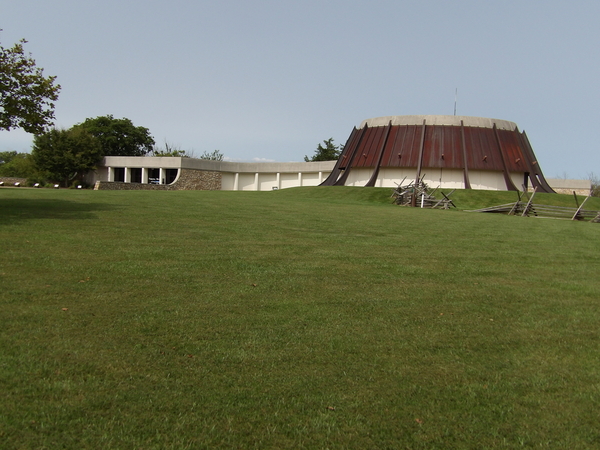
(301, 318)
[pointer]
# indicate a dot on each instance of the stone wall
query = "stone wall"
(197, 180)
(568, 191)
(585, 192)
(10, 181)
(188, 180)
(567, 186)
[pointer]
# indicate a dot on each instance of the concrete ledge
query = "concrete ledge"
(216, 166)
(468, 121)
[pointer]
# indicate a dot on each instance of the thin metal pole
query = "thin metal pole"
(455, 98)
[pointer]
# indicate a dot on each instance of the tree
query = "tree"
(26, 96)
(118, 137)
(64, 154)
(329, 152)
(595, 180)
(216, 155)
(6, 157)
(19, 165)
(169, 150)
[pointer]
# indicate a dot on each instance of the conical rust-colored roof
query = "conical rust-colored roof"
(469, 144)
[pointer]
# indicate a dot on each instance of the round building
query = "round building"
(447, 151)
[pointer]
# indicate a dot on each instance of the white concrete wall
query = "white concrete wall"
(268, 181)
(246, 182)
(486, 180)
(518, 179)
(288, 180)
(446, 178)
(392, 177)
(567, 184)
(287, 175)
(227, 181)
(235, 176)
(359, 176)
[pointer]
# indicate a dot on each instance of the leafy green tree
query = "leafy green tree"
(119, 137)
(6, 157)
(26, 96)
(328, 152)
(169, 150)
(64, 154)
(215, 155)
(19, 165)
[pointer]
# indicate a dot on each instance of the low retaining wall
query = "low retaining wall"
(10, 181)
(188, 180)
(567, 186)
(568, 191)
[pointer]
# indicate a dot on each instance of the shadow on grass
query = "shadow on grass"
(17, 210)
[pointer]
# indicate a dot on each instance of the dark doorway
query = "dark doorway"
(136, 175)
(119, 174)
(154, 176)
(170, 175)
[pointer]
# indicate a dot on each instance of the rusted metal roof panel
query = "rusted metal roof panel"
(513, 153)
(472, 145)
(388, 158)
(405, 147)
(482, 149)
(443, 144)
(367, 136)
(349, 148)
(365, 142)
(455, 159)
(433, 147)
(442, 148)
(536, 175)
(370, 153)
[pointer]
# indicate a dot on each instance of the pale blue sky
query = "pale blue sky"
(269, 80)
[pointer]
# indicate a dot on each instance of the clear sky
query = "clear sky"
(270, 79)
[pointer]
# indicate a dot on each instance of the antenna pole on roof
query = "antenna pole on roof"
(455, 97)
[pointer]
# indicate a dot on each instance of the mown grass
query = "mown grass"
(301, 318)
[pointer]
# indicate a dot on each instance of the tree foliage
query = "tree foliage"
(26, 96)
(215, 155)
(595, 180)
(169, 150)
(19, 165)
(6, 157)
(328, 152)
(64, 154)
(119, 137)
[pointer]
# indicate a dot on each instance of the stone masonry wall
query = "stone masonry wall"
(189, 180)
(567, 191)
(10, 181)
(570, 191)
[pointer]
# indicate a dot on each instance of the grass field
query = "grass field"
(302, 318)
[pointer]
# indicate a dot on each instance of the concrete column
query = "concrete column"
(320, 177)
(145, 175)
(127, 175)
(236, 182)
(278, 180)
(256, 185)
(111, 174)
(161, 176)
(300, 179)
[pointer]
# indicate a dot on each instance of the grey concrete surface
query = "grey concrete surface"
(468, 121)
